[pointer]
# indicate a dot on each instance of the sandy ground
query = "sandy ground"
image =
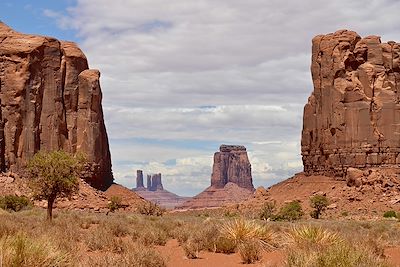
(175, 257)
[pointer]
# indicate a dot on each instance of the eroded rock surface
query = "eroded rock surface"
(50, 100)
(352, 119)
(231, 165)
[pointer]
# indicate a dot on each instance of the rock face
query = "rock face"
(139, 179)
(231, 180)
(50, 100)
(231, 165)
(352, 119)
(156, 183)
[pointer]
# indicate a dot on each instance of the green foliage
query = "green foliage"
(150, 208)
(54, 174)
(115, 203)
(14, 203)
(390, 214)
(319, 204)
(291, 211)
(268, 210)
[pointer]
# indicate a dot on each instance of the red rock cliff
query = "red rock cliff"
(231, 164)
(352, 119)
(50, 100)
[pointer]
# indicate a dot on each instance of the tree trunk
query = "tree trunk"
(50, 203)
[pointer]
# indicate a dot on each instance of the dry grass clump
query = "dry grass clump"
(311, 246)
(249, 237)
(134, 256)
(20, 250)
(311, 236)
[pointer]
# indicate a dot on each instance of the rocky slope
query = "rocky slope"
(88, 198)
(231, 180)
(50, 100)
(352, 118)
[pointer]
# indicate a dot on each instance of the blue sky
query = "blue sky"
(181, 77)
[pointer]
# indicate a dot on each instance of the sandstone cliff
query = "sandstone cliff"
(352, 119)
(231, 164)
(50, 100)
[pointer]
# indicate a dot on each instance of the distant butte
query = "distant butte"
(231, 180)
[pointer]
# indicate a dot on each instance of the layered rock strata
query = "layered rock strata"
(231, 165)
(50, 100)
(352, 118)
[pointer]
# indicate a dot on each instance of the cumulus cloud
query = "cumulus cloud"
(181, 77)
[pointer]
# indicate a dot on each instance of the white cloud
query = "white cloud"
(180, 77)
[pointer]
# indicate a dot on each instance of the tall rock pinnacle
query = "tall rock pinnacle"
(352, 119)
(50, 100)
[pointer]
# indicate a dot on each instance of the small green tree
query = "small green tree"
(54, 174)
(319, 204)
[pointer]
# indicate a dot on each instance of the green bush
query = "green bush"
(14, 203)
(390, 214)
(291, 211)
(319, 204)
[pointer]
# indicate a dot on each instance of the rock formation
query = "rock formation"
(231, 180)
(155, 191)
(50, 100)
(139, 179)
(352, 119)
(156, 183)
(231, 165)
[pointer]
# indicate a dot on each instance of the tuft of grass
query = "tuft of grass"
(21, 250)
(306, 236)
(241, 230)
(250, 251)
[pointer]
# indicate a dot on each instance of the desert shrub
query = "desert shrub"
(98, 239)
(291, 211)
(117, 228)
(192, 247)
(241, 230)
(225, 245)
(311, 246)
(134, 255)
(20, 250)
(150, 208)
(268, 210)
(390, 214)
(14, 203)
(115, 203)
(311, 236)
(250, 251)
(319, 204)
(152, 236)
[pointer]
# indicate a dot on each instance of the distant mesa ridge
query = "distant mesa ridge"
(155, 191)
(50, 100)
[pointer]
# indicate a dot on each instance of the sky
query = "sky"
(182, 77)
